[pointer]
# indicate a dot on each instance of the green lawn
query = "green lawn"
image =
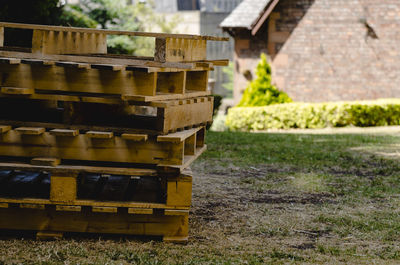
(267, 198)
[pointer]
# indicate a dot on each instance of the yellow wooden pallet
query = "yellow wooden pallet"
(65, 185)
(35, 78)
(173, 150)
(63, 211)
(171, 225)
(46, 40)
(159, 117)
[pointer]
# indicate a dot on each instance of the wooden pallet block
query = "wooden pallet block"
(172, 149)
(95, 80)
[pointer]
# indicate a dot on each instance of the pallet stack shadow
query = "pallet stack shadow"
(97, 142)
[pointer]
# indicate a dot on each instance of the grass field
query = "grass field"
(266, 198)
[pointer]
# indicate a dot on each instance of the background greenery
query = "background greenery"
(260, 91)
(315, 115)
(105, 14)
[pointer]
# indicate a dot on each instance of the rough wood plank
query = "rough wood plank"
(49, 235)
(68, 208)
(14, 123)
(156, 225)
(55, 79)
(108, 32)
(98, 60)
(91, 203)
(117, 150)
(37, 62)
(221, 62)
(73, 65)
(17, 91)
(100, 209)
(166, 96)
(4, 128)
(70, 98)
(64, 132)
(48, 42)
(100, 135)
(176, 212)
(175, 49)
(32, 206)
(30, 130)
(76, 169)
(134, 137)
(140, 211)
(44, 161)
(10, 60)
(108, 67)
(176, 239)
(178, 136)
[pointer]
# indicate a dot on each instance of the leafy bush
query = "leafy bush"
(315, 115)
(260, 92)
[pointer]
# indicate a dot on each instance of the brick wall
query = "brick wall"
(330, 50)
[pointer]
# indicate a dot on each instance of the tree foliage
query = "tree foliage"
(118, 15)
(260, 91)
(105, 14)
(46, 12)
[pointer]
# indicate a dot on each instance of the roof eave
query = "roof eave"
(256, 26)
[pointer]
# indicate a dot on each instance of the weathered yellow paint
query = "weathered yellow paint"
(48, 221)
(179, 191)
(63, 188)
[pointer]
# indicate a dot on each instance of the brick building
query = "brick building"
(320, 50)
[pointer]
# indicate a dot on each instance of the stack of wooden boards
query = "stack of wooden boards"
(97, 142)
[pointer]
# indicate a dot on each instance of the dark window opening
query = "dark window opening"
(188, 5)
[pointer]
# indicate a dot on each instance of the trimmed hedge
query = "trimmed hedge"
(315, 115)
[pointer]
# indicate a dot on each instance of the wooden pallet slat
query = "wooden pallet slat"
(166, 150)
(112, 67)
(67, 78)
(50, 223)
(17, 91)
(100, 135)
(175, 48)
(10, 61)
(45, 161)
(64, 132)
(135, 137)
(4, 128)
(30, 130)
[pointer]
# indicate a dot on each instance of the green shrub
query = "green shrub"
(260, 91)
(315, 115)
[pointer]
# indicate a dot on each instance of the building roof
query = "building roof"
(246, 14)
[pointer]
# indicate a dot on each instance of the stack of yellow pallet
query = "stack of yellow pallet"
(96, 142)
